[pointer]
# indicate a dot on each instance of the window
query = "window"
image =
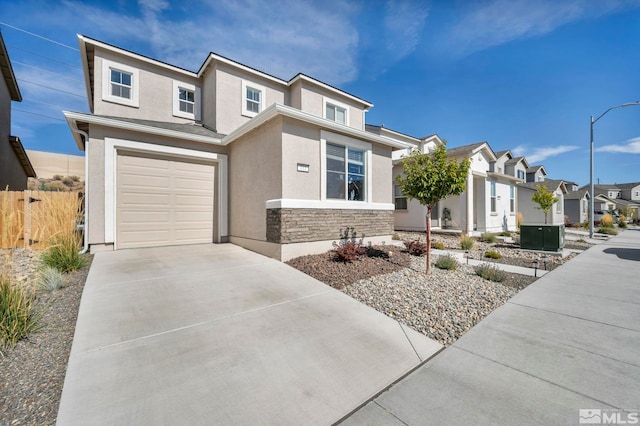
(521, 174)
(252, 98)
(637, 194)
(120, 83)
(400, 198)
(584, 206)
(559, 206)
(512, 198)
(335, 111)
(493, 197)
(186, 100)
(345, 173)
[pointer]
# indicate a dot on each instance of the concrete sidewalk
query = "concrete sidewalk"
(569, 341)
(215, 334)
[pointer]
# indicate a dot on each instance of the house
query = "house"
(15, 167)
(536, 174)
(531, 211)
(576, 204)
(226, 153)
(623, 197)
(489, 204)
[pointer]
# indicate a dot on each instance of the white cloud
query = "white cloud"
(631, 147)
(403, 25)
(542, 153)
(495, 22)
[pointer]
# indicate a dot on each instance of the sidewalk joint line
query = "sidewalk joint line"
(409, 340)
(390, 412)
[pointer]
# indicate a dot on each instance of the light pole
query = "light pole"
(591, 189)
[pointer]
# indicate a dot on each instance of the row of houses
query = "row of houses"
(229, 153)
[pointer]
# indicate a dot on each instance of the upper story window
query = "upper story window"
(252, 98)
(186, 100)
(120, 83)
(345, 168)
(521, 174)
(336, 111)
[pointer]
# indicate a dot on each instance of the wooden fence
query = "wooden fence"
(31, 218)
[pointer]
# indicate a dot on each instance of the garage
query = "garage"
(163, 201)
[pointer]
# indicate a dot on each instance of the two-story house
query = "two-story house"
(226, 153)
(15, 167)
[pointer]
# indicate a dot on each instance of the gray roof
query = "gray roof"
(576, 195)
(516, 160)
(501, 153)
(194, 129)
(7, 72)
(627, 185)
(534, 169)
(464, 148)
(551, 184)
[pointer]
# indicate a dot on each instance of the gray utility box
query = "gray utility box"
(542, 237)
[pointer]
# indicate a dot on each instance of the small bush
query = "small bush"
(415, 247)
(447, 262)
(18, 315)
(50, 279)
(581, 240)
(67, 181)
(75, 178)
(607, 230)
(492, 254)
(64, 254)
(395, 237)
(519, 219)
(57, 177)
(606, 221)
(349, 251)
(488, 237)
(622, 224)
(437, 245)
(490, 272)
(466, 242)
(505, 233)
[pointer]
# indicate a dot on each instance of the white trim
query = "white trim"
(333, 102)
(290, 203)
(250, 84)
(367, 105)
(126, 125)
(107, 66)
(349, 142)
(177, 85)
(111, 152)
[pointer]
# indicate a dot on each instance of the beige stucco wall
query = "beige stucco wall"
(300, 144)
(312, 101)
(48, 164)
(382, 174)
(295, 95)
(155, 90)
(209, 98)
(229, 97)
(255, 176)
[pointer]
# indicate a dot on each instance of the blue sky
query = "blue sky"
(522, 75)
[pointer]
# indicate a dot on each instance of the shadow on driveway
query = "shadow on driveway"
(624, 253)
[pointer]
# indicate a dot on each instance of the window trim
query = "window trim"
(326, 101)
(399, 197)
(107, 66)
(177, 85)
(334, 138)
(512, 199)
(263, 92)
(493, 202)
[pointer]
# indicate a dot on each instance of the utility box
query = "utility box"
(542, 237)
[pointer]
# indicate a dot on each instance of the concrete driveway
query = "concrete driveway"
(215, 334)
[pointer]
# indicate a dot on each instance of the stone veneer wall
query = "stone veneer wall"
(286, 226)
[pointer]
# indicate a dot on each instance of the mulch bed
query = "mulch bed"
(32, 372)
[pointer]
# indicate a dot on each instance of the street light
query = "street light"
(591, 189)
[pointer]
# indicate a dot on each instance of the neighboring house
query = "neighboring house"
(536, 174)
(489, 204)
(531, 212)
(15, 167)
(517, 167)
(623, 197)
(576, 204)
(227, 153)
(49, 164)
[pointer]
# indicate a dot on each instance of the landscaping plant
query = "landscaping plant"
(415, 247)
(50, 279)
(607, 230)
(606, 221)
(437, 245)
(348, 249)
(545, 199)
(63, 253)
(492, 254)
(466, 242)
(18, 315)
(490, 272)
(488, 237)
(429, 178)
(447, 262)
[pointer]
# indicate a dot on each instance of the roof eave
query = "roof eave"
(16, 144)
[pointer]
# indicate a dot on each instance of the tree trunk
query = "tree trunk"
(428, 254)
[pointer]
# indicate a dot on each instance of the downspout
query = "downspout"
(85, 233)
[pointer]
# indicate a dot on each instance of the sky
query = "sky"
(521, 75)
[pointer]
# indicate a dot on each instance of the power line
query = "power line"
(44, 103)
(51, 72)
(46, 57)
(39, 36)
(51, 88)
(40, 115)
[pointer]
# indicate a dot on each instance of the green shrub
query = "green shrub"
(490, 272)
(622, 224)
(437, 245)
(505, 233)
(607, 230)
(57, 177)
(75, 178)
(447, 262)
(488, 237)
(67, 181)
(466, 242)
(395, 237)
(492, 254)
(50, 279)
(18, 315)
(415, 247)
(64, 254)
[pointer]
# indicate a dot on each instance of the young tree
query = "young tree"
(545, 199)
(430, 178)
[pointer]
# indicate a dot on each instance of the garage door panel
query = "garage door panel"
(163, 201)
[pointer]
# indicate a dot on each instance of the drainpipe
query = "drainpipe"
(85, 232)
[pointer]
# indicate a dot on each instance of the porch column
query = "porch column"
(469, 211)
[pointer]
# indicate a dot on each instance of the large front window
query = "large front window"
(346, 178)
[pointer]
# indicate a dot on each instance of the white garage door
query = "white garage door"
(161, 201)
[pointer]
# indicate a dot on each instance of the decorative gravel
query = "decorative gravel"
(32, 372)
